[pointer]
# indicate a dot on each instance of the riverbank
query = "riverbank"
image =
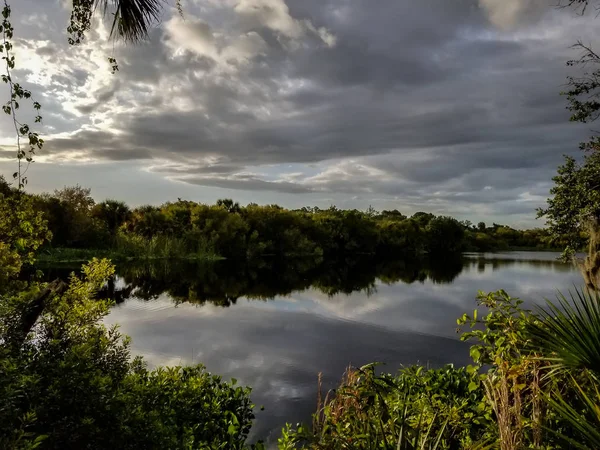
(83, 255)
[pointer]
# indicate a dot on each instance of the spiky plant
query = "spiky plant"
(131, 18)
(586, 425)
(568, 332)
(568, 336)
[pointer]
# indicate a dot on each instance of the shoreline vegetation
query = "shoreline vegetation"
(533, 384)
(80, 229)
(60, 255)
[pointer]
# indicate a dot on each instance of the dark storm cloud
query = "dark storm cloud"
(428, 94)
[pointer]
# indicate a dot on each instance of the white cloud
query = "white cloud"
(507, 14)
(275, 15)
(196, 36)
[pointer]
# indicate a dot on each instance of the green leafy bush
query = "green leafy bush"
(419, 408)
(72, 384)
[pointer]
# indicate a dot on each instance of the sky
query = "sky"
(450, 107)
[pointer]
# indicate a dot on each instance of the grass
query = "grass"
(128, 248)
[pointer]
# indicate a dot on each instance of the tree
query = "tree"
(445, 235)
(229, 205)
(74, 214)
(112, 213)
(392, 215)
(481, 226)
(467, 224)
(371, 212)
(77, 198)
(573, 213)
(22, 231)
(422, 218)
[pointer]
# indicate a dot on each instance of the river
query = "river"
(274, 326)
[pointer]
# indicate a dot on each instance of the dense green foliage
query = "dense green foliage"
(418, 408)
(575, 203)
(226, 229)
(67, 381)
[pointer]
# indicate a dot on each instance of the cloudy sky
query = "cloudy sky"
(445, 106)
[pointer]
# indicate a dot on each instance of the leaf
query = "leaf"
(475, 353)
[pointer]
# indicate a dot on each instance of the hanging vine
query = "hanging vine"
(28, 141)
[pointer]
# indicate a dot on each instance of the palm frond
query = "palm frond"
(586, 425)
(132, 18)
(568, 332)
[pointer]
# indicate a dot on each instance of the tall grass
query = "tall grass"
(134, 247)
(159, 247)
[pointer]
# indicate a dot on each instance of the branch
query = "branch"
(35, 309)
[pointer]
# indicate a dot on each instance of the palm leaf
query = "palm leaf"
(587, 426)
(132, 18)
(568, 332)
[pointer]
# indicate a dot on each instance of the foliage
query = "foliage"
(73, 379)
(445, 235)
(17, 94)
(582, 92)
(22, 232)
(574, 211)
(502, 333)
(66, 381)
(586, 423)
(569, 331)
(575, 204)
(245, 233)
(568, 336)
(510, 399)
(112, 213)
(131, 18)
(419, 408)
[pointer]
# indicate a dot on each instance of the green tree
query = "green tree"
(392, 215)
(112, 214)
(445, 235)
(75, 214)
(77, 198)
(69, 382)
(422, 218)
(229, 205)
(573, 211)
(22, 231)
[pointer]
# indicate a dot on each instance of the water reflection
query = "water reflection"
(225, 282)
(289, 320)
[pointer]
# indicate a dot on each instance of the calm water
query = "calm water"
(276, 326)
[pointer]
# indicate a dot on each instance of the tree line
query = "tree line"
(183, 228)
